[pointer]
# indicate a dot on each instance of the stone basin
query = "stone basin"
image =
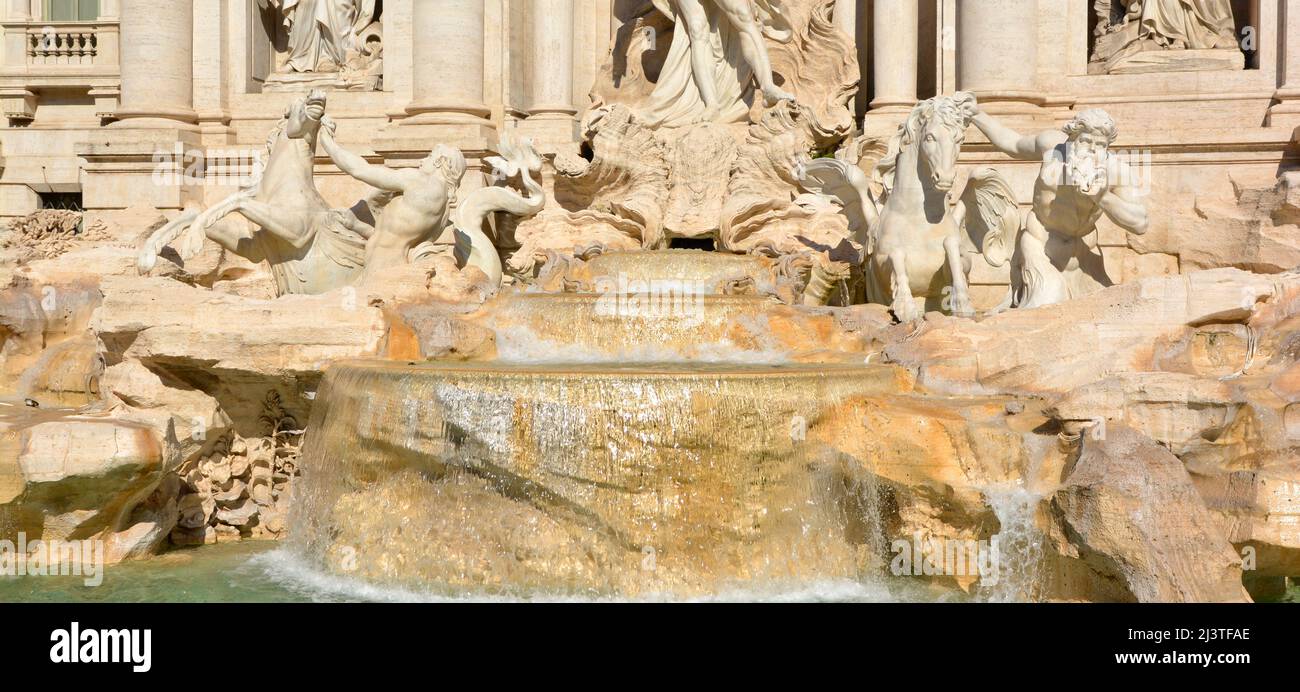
(592, 479)
(708, 271)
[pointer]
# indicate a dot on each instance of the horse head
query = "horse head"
(942, 134)
(291, 148)
(937, 127)
(302, 120)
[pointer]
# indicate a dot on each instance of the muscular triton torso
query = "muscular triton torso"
(410, 219)
(1060, 205)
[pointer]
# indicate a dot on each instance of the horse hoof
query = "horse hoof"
(906, 316)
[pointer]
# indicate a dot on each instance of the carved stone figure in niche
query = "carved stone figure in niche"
(1165, 35)
(329, 43)
(1080, 180)
(653, 171)
(717, 51)
(365, 70)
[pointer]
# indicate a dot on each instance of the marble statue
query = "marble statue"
(1134, 37)
(366, 67)
(416, 208)
(652, 171)
(518, 158)
(712, 62)
(1080, 180)
(920, 246)
(310, 247)
(322, 33)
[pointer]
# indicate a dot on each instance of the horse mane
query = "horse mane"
(944, 108)
(276, 131)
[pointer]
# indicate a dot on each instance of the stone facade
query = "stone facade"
(91, 106)
(860, 168)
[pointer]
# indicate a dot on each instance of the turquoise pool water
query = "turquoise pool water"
(262, 571)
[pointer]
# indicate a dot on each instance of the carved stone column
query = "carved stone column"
(997, 54)
(897, 28)
(895, 41)
(157, 57)
(140, 160)
(1286, 113)
(448, 105)
(551, 120)
(17, 102)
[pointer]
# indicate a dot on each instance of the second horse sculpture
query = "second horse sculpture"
(310, 247)
(919, 245)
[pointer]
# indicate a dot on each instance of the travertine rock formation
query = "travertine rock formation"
(47, 234)
(96, 475)
(167, 368)
(1131, 515)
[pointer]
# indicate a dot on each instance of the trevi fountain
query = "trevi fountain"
(891, 300)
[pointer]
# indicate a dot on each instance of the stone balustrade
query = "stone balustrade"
(34, 46)
(76, 44)
(41, 55)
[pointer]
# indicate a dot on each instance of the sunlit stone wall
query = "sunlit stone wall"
(88, 105)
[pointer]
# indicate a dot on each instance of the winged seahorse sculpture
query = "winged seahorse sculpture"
(919, 244)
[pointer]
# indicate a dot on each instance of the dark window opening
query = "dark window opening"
(68, 201)
(71, 10)
(706, 244)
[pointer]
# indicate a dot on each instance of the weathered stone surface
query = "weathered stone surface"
(1256, 229)
(46, 351)
(1178, 410)
(1058, 348)
(1131, 516)
(194, 415)
(432, 331)
(165, 321)
(231, 348)
(75, 477)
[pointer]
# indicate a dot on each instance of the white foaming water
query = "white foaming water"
(297, 574)
(1020, 544)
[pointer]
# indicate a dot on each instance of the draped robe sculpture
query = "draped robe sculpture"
(1149, 35)
(717, 51)
(323, 32)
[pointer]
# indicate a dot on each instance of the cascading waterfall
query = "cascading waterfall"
(682, 478)
(612, 452)
(1019, 544)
